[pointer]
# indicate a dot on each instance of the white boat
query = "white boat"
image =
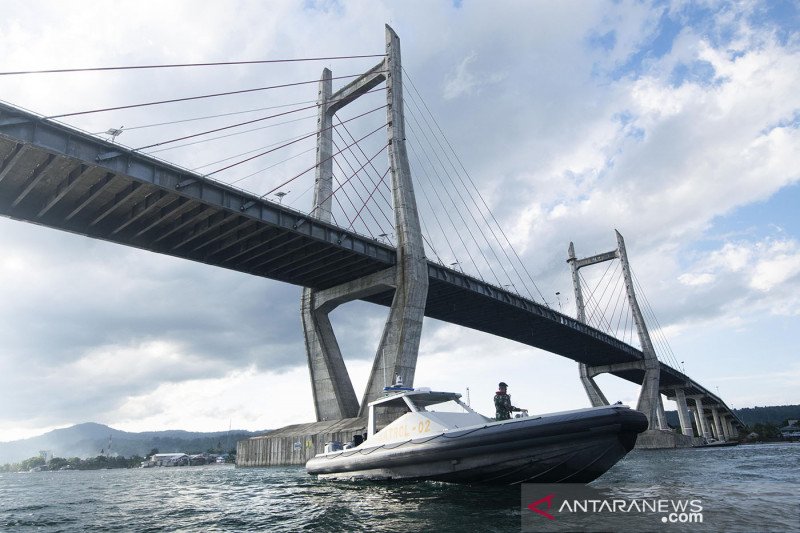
(441, 438)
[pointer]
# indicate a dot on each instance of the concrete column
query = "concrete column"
(703, 426)
(711, 428)
(683, 413)
(576, 284)
(649, 396)
(596, 396)
(696, 419)
(717, 424)
(732, 430)
(399, 346)
(726, 434)
(323, 184)
(662, 416)
(334, 396)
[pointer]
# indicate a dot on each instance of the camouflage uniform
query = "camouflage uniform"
(503, 407)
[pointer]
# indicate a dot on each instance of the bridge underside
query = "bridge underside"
(61, 178)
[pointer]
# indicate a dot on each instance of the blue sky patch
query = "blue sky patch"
(777, 213)
(605, 42)
(783, 16)
(698, 72)
(660, 46)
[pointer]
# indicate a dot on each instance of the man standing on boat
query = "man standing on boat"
(502, 403)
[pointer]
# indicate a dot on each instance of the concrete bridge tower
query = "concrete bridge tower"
(334, 397)
(649, 402)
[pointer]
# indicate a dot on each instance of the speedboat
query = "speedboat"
(441, 438)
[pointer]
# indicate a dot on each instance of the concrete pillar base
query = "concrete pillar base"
(296, 444)
(659, 439)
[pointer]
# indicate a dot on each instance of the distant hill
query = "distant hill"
(88, 439)
(751, 416)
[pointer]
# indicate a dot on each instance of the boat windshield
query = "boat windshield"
(450, 406)
(439, 402)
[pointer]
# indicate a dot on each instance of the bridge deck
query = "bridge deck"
(65, 179)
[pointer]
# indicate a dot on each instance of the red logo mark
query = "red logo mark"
(535, 506)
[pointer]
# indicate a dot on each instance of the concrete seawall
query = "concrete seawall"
(294, 445)
(660, 439)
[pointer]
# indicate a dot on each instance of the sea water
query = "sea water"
(223, 498)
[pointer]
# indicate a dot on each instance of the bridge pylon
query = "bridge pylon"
(649, 402)
(334, 397)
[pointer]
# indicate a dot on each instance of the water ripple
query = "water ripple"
(221, 498)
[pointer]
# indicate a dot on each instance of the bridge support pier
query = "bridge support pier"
(683, 413)
(711, 427)
(728, 426)
(724, 424)
(397, 352)
(718, 424)
(697, 424)
(662, 416)
(596, 396)
(702, 424)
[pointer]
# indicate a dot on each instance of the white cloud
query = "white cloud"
(696, 279)
(780, 266)
(464, 82)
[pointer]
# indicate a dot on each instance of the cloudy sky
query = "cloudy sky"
(674, 122)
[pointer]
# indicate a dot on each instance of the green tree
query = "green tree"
(57, 463)
(767, 431)
(33, 462)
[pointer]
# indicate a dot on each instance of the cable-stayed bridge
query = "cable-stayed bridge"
(57, 176)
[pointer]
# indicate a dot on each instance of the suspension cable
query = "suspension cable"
(447, 212)
(469, 177)
(456, 209)
(370, 196)
(231, 134)
(289, 143)
(433, 211)
(361, 150)
(348, 179)
(463, 201)
(358, 194)
(272, 166)
(222, 128)
(220, 115)
(181, 65)
(316, 165)
(351, 222)
(373, 182)
(188, 98)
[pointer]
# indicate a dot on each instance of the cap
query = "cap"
(503, 384)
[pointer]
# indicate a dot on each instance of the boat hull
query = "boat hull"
(573, 447)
